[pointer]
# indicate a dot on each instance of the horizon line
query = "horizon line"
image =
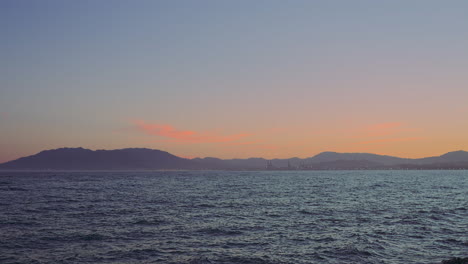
(181, 156)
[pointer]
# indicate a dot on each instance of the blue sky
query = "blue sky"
(298, 77)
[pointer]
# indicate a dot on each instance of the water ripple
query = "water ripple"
(212, 217)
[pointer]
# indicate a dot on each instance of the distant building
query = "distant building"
(270, 165)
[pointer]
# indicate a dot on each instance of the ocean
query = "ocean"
(201, 217)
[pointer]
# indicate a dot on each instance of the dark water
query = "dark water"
(233, 217)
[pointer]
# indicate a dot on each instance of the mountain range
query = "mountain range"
(151, 159)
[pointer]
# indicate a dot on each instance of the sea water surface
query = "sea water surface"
(233, 217)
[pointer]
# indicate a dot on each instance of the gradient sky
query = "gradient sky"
(234, 79)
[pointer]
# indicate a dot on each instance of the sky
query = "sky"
(234, 79)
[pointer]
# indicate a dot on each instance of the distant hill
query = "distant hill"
(85, 159)
(451, 157)
(151, 159)
(374, 158)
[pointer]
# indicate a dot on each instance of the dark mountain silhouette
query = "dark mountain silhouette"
(374, 158)
(150, 159)
(346, 165)
(85, 159)
(454, 156)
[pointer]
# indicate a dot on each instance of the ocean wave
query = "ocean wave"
(220, 231)
(300, 218)
(149, 222)
(456, 260)
(306, 212)
(231, 260)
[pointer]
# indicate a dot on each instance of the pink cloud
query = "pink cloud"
(462, 109)
(383, 126)
(242, 143)
(389, 140)
(385, 133)
(184, 136)
(383, 129)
